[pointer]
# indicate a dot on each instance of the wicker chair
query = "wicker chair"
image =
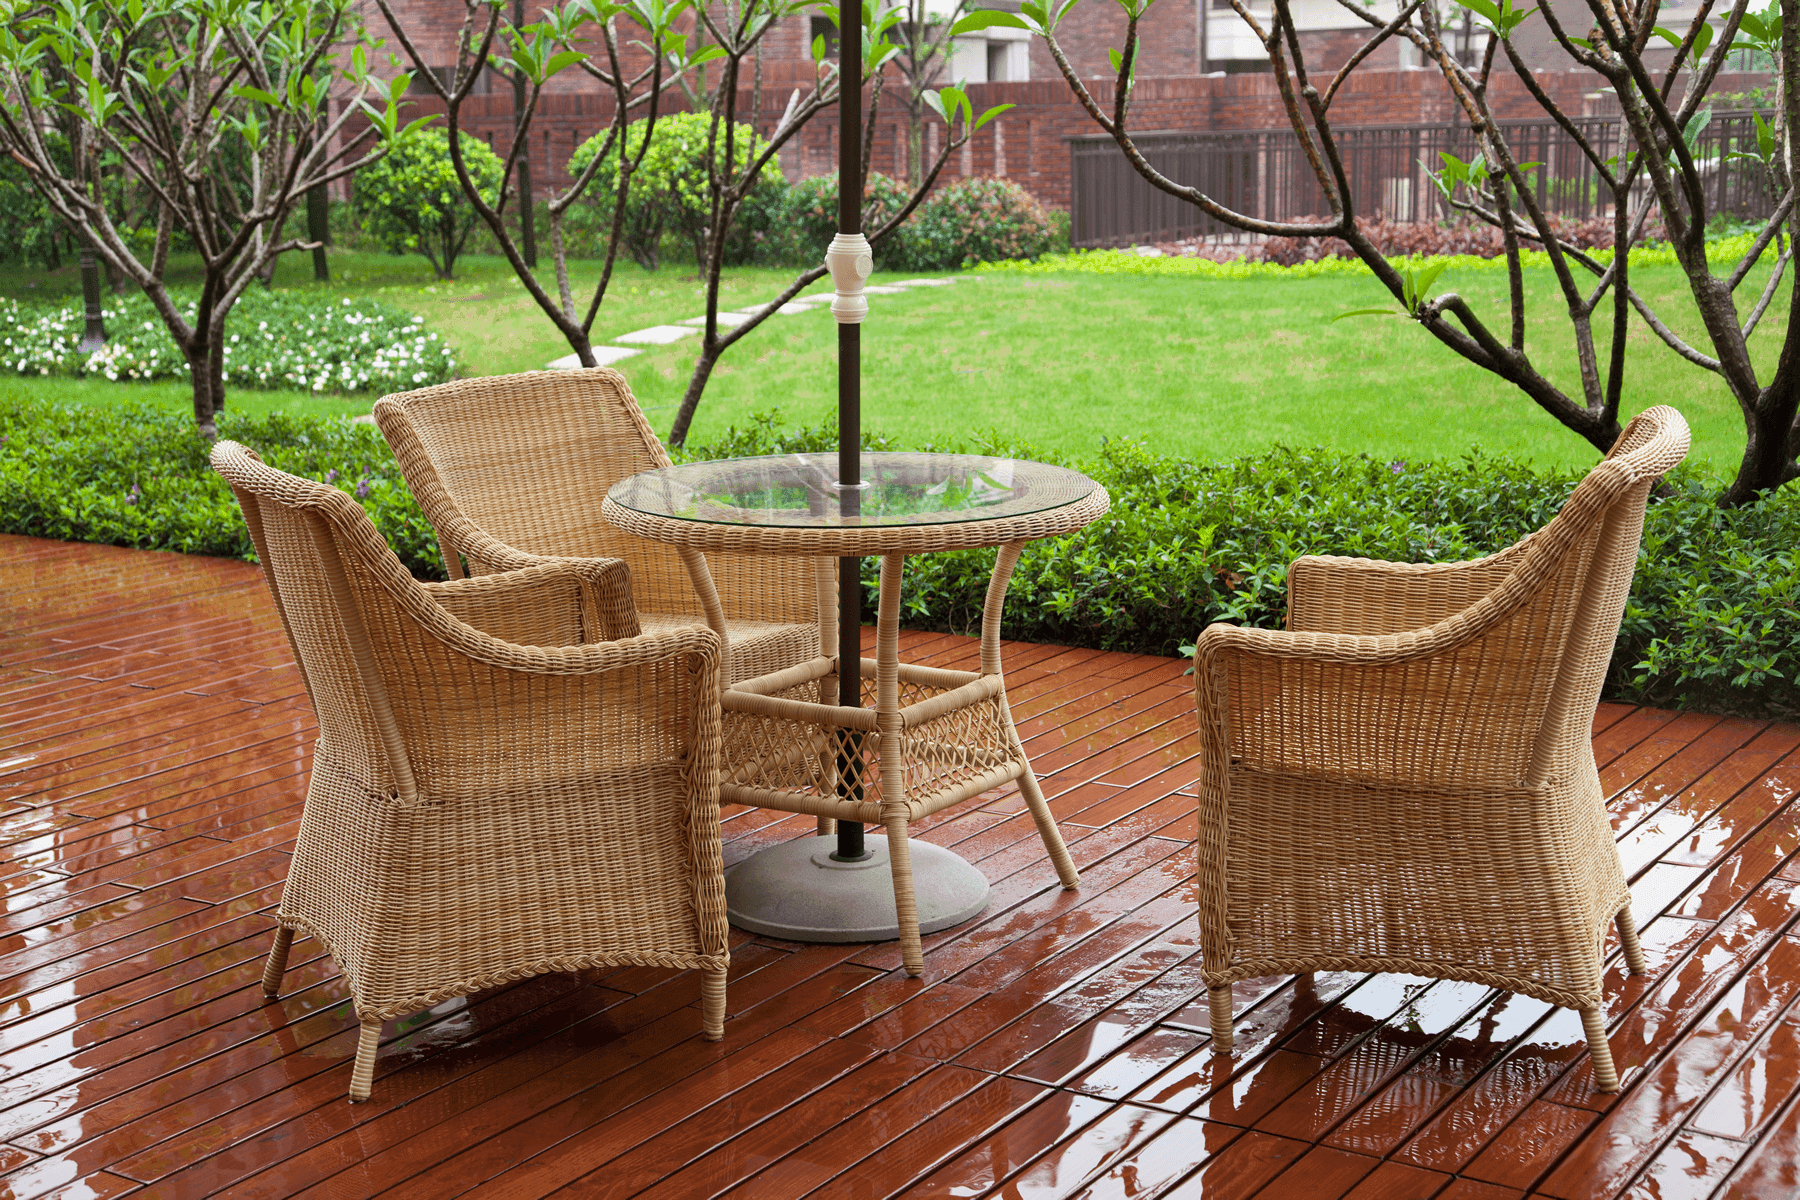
(512, 469)
(1404, 780)
(496, 791)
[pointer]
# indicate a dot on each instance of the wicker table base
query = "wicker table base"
(927, 739)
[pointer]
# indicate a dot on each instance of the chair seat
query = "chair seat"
(756, 647)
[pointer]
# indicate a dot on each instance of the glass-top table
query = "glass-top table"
(801, 490)
(924, 738)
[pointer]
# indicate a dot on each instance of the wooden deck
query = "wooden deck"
(153, 747)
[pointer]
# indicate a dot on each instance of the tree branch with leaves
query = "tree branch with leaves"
(1659, 168)
(220, 112)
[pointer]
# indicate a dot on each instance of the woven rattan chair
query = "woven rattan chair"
(1404, 780)
(496, 792)
(512, 469)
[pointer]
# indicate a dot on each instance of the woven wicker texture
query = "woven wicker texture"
(511, 470)
(1404, 781)
(508, 780)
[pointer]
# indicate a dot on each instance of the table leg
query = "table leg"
(1004, 562)
(893, 766)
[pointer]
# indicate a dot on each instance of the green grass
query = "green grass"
(1201, 368)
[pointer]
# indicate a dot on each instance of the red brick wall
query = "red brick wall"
(1027, 143)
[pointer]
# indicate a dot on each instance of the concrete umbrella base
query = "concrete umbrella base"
(795, 892)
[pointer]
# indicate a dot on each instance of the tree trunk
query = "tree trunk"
(1768, 458)
(198, 353)
(684, 416)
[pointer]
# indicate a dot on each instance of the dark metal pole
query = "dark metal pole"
(850, 833)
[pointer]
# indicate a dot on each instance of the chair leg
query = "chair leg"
(276, 966)
(906, 904)
(827, 827)
(1628, 942)
(1046, 825)
(712, 1005)
(1606, 1078)
(362, 1075)
(1219, 999)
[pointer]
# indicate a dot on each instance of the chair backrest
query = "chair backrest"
(1607, 508)
(304, 533)
(528, 458)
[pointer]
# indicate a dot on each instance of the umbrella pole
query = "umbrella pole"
(850, 262)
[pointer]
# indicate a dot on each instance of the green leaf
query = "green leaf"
(1366, 312)
(257, 94)
(567, 58)
(935, 103)
(987, 18)
(1483, 8)
(1690, 133)
(1667, 35)
(990, 114)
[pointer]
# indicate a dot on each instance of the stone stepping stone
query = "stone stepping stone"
(657, 335)
(730, 320)
(910, 283)
(791, 308)
(882, 289)
(604, 356)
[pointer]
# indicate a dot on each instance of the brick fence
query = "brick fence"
(1029, 143)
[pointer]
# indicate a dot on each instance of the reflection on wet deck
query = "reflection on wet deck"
(153, 742)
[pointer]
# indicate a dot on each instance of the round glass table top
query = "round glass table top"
(800, 491)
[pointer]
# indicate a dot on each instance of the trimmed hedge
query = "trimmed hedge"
(1711, 621)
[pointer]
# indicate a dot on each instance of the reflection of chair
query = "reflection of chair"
(1404, 779)
(496, 792)
(512, 469)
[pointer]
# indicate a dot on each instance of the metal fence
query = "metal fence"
(1265, 174)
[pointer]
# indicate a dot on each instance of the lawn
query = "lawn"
(1201, 368)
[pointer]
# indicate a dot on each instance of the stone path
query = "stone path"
(663, 335)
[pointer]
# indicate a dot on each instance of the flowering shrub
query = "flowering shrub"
(971, 221)
(1130, 262)
(272, 340)
(803, 218)
(1432, 238)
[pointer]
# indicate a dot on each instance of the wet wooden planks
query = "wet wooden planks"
(154, 738)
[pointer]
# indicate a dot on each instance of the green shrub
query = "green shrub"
(802, 219)
(975, 220)
(669, 192)
(410, 199)
(1710, 622)
(138, 476)
(272, 340)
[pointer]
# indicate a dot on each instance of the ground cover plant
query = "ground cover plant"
(284, 339)
(1710, 622)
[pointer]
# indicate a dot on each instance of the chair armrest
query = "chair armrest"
(1331, 594)
(486, 721)
(559, 602)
